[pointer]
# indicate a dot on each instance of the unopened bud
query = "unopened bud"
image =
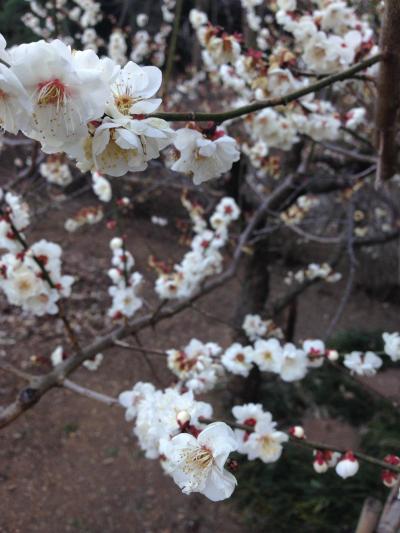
(389, 478)
(116, 243)
(183, 419)
(332, 355)
(114, 274)
(348, 466)
(297, 431)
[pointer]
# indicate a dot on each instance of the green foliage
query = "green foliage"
(346, 341)
(289, 495)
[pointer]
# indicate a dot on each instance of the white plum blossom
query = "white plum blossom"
(392, 345)
(57, 356)
(133, 90)
(66, 90)
(268, 355)
(197, 18)
(130, 400)
(287, 5)
(238, 359)
(197, 464)
(94, 363)
(315, 350)
(363, 364)
(196, 365)
(254, 327)
(56, 171)
(264, 441)
(159, 417)
(293, 363)
(23, 282)
(223, 49)
(101, 187)
(204, 158)
(126, 284)
(15, 106)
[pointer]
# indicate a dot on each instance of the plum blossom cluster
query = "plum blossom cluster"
(264, 442)
(170, 427)
(204, 259)
(312, 272)
(297, 211)
(324, 40)
(44, 17)
(56, 171)
(95, 111)
(204, 156)
(255, 327)
(201, 366)
(288, 361)
(196, 366)
(126, 284)
(101, 187)
(142, 46)
(331, 38)
(86, 215)
(30, 277)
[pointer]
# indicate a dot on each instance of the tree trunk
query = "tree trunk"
(388, 92)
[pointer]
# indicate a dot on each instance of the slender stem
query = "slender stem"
(93, 395)
(172, 47)
(272, 102)
(127, 346)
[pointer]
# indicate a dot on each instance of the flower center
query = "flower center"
(52, 92)
(124, 102)
(200, 458)
(267, 356)
(25, 285)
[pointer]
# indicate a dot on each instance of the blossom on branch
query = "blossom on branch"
(197, 464)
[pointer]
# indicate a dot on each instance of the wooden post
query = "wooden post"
(369, 516)
(390, 519)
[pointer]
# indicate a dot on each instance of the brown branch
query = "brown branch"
(272, 102)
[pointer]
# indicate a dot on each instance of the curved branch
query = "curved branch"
(272, 102)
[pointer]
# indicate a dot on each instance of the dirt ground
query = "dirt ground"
(71, 464)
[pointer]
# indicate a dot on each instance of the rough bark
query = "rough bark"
(388, 92)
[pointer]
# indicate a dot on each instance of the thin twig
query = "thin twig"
(93, 395)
